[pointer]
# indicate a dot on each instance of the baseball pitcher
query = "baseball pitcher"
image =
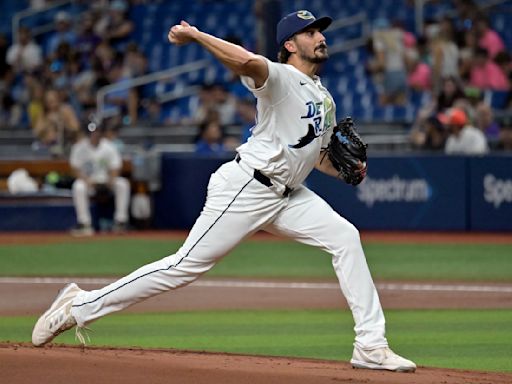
(261, 189)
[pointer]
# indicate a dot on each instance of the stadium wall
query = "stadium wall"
(435, 193)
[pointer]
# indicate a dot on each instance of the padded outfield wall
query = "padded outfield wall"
(400, 193)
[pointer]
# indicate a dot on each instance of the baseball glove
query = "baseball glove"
(347, 151)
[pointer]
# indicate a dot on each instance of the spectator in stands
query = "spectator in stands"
(58, 127)
(464, 139)
(85, 85)
(504, 61)
(25, 55)
(484, 121)
(486, 74)
(467, 11)
(115, 25)
(487, 37)
(225, 104)
(213, 99)
(202, 105)
(445, 53)
(467, 50)
(210, 138)
(418, 73)
(388, 48)
(63, 32)
(105, 55)
(87, 40)
(9, 111)
(134, 62)
(451, 91)
(246, 110)
(4, 46)
(35, 107)
(123, 102)
(152, 115)
(430, 135)
(97, 165)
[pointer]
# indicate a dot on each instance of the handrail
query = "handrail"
(178, 94)
(142, 80)
(348, 45)
(16, 19)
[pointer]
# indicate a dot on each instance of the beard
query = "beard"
(320, 55)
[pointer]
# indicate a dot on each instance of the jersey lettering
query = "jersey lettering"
(316, 128)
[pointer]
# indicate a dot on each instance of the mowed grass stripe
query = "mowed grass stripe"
(467, 339)
(273, 259)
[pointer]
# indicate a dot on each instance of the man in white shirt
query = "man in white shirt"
(464, 139)
(261, 189)
(97, 164)
(25, 55)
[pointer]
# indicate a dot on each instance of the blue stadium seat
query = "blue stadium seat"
(497, 99)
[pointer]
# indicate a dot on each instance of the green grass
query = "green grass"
(114, 257)
(468, 339)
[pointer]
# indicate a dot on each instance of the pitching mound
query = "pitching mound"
(21, 363)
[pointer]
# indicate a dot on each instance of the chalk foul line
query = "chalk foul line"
(468, 288)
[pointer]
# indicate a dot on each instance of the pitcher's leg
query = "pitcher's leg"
(209, 240)
(228, 216)
(310, 220)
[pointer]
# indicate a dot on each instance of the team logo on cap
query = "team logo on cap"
(305, 15)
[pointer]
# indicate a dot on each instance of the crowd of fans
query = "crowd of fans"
(457, 60)
(51, 86)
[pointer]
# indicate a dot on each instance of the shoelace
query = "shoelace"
(82, 335)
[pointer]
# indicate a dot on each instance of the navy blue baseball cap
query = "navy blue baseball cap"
(296, 22)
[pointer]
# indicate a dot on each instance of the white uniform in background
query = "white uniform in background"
(97, 163)
(469, 141)
(296, 115)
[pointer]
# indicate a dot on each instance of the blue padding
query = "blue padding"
(490, 193)
(401, 193)
(37, 217)
(183, 193)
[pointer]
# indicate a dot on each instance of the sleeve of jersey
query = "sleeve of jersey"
(273, 87)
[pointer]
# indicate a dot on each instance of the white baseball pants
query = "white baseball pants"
(81, 194)
(237, 205)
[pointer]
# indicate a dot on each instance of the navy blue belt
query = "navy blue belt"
(265, 180)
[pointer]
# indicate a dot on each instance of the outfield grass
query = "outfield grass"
(469, 339)
(114, 257)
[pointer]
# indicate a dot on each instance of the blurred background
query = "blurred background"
(427, 82)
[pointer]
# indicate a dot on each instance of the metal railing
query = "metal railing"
(29, 12)
(166, 74)
(347, 45)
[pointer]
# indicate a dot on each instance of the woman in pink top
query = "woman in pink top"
(488, 38)
(418, 73)
(486, 74)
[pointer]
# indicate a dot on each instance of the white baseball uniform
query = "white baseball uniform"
(97, 163)
(295, 117)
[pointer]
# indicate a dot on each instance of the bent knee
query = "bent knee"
(79, 186)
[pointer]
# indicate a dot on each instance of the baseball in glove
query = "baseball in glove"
(347, 152)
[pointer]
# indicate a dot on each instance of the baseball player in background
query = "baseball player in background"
(261, 189)
(97, 163)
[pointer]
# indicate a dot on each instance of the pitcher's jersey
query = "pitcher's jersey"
(295, 117)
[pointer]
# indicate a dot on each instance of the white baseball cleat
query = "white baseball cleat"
(57, 318)
(381, 358)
